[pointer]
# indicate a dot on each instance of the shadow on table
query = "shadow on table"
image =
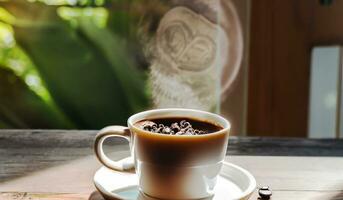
(96, 196)
(338, 196)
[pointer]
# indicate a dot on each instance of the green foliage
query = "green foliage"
(89, 62)
(22, 108)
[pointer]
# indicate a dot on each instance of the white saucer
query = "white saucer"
(233, 183)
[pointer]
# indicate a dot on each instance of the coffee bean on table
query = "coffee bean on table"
(265, 192)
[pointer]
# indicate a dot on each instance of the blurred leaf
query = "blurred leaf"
(27, 13)
(93, 87)
(22, 108)
(115, 51)
(97, 15)
(4, 125)
(120, 21)
(136, 21)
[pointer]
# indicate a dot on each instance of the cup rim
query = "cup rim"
(219, 119)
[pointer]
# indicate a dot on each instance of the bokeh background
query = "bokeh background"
(84, 64)
(73, 64)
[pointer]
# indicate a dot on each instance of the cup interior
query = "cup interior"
(180, 112)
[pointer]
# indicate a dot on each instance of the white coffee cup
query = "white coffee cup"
(170, 166)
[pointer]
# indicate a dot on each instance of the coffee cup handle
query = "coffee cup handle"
(113, 131)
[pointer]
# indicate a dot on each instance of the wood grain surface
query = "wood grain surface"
(282, 35)
(57, 164)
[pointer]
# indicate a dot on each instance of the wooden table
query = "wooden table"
(58, 164)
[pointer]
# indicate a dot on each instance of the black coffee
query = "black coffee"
(178, 126)
(169, 150)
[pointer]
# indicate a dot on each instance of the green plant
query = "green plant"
(88, 61)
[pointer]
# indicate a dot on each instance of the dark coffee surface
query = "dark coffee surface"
(178, 126)
(175, 150)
